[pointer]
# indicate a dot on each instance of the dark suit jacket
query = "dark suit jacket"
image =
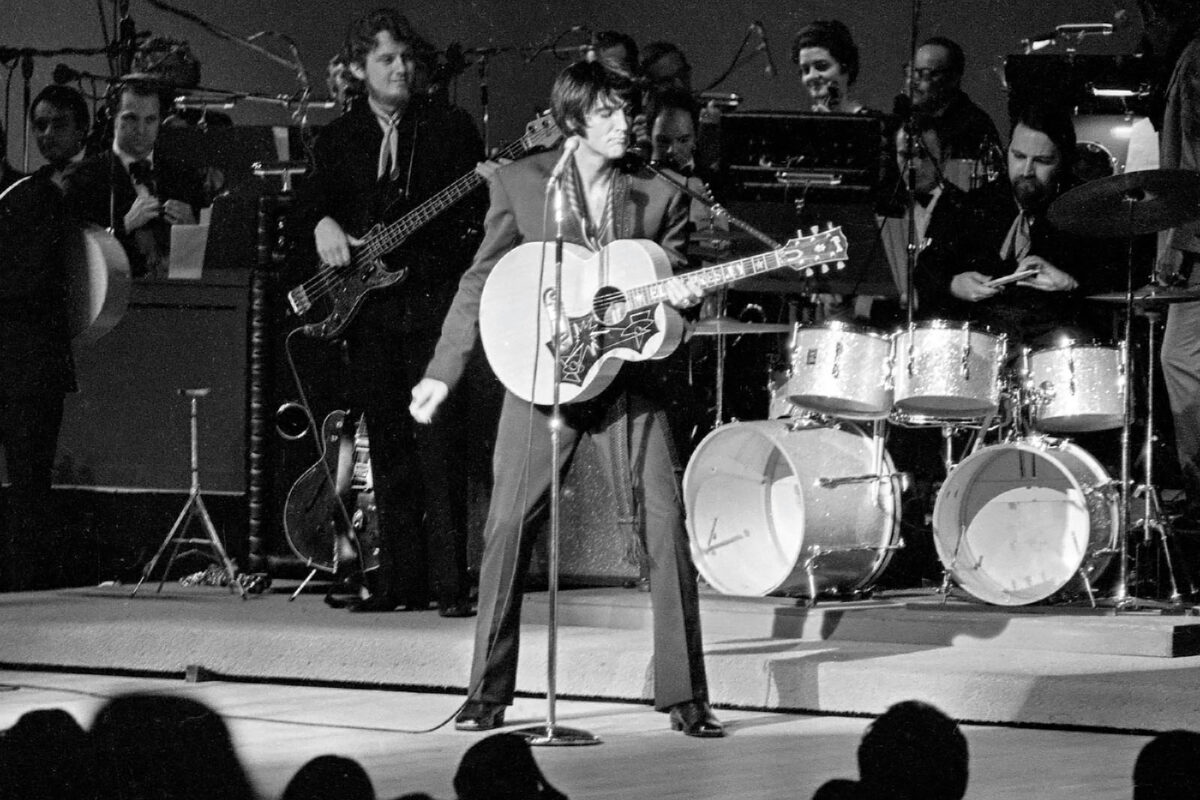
(1023, 313)
(99, 191)
(437, 145)
(35, 348)
(644, 208)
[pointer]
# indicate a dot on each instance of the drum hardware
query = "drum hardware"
(1126, 206)
(817, 551)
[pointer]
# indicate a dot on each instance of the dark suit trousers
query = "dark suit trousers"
(419, 477)
(521, 467)
(29, 427)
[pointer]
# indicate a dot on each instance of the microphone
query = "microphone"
(569, 148)
(765, 47)
(902, 106)
(640, 151)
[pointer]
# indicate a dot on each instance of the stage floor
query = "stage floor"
(1061, 667)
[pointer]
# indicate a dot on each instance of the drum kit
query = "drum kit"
(808, 504)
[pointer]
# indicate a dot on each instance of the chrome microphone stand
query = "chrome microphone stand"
(551, 733)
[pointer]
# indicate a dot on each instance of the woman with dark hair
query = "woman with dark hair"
(827, 57)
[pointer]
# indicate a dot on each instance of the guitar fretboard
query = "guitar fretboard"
(393, 235)
(826, 247)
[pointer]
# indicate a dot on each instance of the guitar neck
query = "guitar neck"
(708, 278)
(392, 236)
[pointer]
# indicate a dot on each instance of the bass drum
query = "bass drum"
(1016, 523)
(767, 513)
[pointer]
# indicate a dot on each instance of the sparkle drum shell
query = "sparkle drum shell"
(759, 517)
(841, 370)
(946, 370)
(1016, 523)
(1076, 388)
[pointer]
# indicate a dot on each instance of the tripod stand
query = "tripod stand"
(194, 507)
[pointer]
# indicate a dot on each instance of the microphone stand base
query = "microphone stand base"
(556, 736)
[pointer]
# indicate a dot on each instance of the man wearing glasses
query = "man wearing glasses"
(964, 129)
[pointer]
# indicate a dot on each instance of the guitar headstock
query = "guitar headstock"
(542, 132)
(814, 253)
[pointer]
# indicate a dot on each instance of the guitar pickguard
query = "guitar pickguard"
(590, 341)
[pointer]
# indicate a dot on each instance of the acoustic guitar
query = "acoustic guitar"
(613, 308)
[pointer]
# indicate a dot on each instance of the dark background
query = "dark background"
(710, 31)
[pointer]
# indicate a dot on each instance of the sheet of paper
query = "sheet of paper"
(187, 252)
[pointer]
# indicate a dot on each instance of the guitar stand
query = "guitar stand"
(192, 508)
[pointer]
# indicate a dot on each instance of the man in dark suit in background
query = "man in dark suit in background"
(36, 369)
(395, 148)
(133, 191)
(60, 125)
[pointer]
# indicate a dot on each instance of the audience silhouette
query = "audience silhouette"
(501, 767)
(330, 777)
(163, 747)
(45, 755)
(1168, 768)
(913, 752)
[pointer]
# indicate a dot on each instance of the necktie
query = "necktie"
(388, 169)
(143, 174)
(1017, 243)
(145, 238)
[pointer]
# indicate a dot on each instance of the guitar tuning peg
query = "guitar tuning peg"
(824, 269)
(829, 225)
(815, 229)
(841, 265)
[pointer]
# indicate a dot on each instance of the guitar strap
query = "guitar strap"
(620, 428)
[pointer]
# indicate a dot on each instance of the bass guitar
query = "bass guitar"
(326, 525)
(335, 294)
(613, 308)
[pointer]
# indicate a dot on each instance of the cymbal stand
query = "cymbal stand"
(1153, 519)
(1122, 599)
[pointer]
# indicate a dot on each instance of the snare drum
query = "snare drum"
(841, 370)
(1076, 388)
(777, 507)
(1015, 523)
(946, 371)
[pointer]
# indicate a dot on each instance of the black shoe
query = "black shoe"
(695, 718)
(477, 717)
(375, 604)
(455, 607)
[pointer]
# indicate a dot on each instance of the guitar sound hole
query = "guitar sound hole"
(610, 306)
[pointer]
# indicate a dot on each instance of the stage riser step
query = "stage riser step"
(925, 621)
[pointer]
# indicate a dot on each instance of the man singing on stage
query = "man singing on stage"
(608, 201)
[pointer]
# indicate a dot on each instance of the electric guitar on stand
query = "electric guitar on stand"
(335, 294)
(625, 318)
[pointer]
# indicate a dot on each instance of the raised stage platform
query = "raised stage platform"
(1034, 665)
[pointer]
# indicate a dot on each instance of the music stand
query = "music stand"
(194, 507)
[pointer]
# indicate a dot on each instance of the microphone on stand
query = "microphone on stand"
(569, 148)
(765, 47)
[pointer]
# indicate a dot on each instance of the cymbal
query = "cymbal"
(727, 326)
(1151, 295)
(1129, 204)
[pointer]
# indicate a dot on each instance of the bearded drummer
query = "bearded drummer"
(1024, 277)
